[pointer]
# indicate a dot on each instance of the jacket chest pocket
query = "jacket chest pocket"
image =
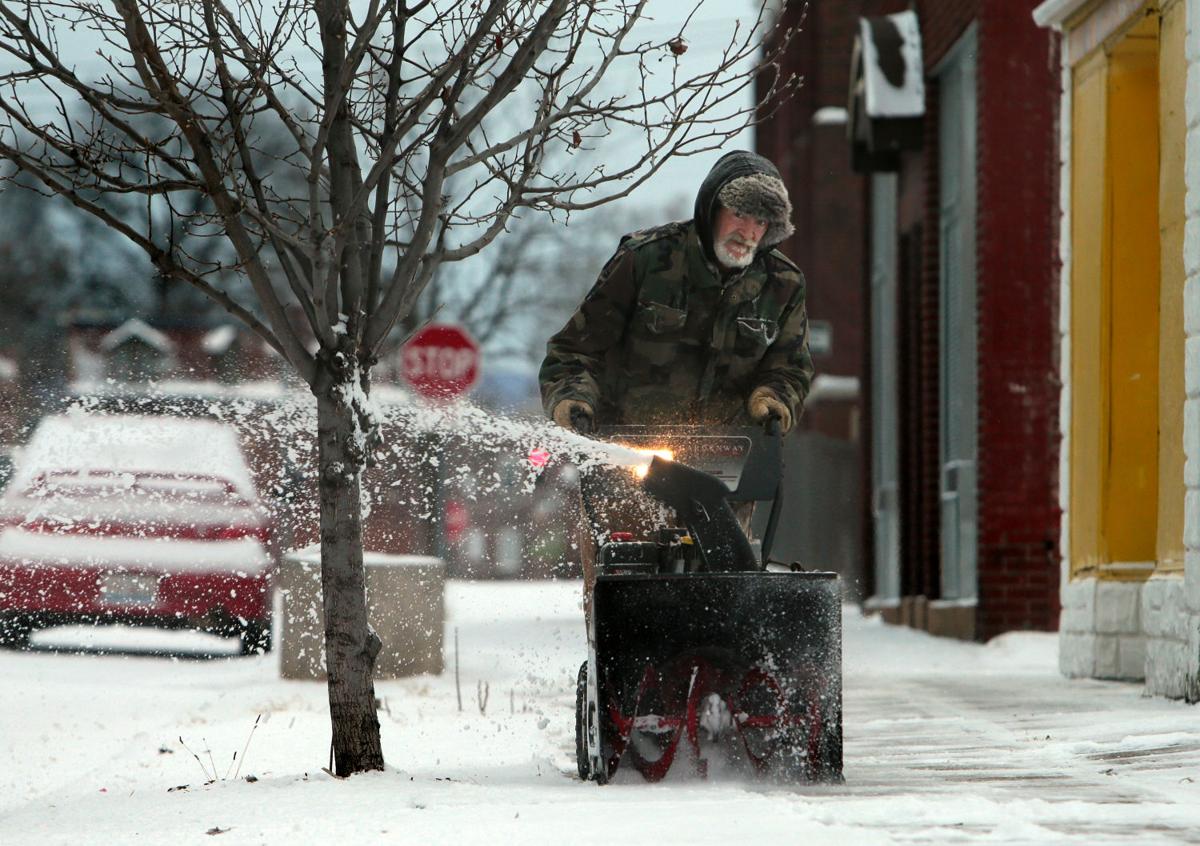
(656, 319)
(754, 334)
(655, 343)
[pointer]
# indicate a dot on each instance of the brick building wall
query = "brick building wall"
(1016, 272)
(1019, 515)
(1016, 276)
(1017, 98)
(943, 22)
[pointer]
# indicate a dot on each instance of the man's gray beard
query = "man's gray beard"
(729, 260)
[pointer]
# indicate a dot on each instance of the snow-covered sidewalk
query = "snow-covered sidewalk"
(946, 742)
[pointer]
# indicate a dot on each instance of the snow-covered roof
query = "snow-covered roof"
(266, 390)
(827, 388)
(219, 340)
(134, 328)
(133, 443)
(830, 116)
(1055, 12)
(893, 75)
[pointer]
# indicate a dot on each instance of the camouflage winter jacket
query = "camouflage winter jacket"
(663, 338)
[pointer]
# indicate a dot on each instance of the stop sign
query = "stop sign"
(440, 361)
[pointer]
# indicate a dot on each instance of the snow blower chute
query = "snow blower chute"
(698, 655)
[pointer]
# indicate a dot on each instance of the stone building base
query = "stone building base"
(944, 618)
(1132, 631)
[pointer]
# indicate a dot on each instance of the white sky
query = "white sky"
(710, 30)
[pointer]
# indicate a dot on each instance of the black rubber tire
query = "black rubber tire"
(828, 766)
(583, 765)
(256, 637)
(14, 631)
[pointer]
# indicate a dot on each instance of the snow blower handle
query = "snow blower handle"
(774, 427)
(581, 421)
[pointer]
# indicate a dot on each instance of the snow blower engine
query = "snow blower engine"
(702, 652)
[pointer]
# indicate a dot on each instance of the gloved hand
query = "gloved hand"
(764, 403)
(562, 412)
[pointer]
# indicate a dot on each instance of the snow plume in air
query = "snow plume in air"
(504, 486)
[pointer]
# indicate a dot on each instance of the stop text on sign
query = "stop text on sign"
(450, 363)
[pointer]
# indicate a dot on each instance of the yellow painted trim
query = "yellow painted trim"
(1131, 361)
(1103, 24)
(1172, 181)
(1117, 250)
(1089, 104)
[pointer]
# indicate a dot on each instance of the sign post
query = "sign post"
(440, 362)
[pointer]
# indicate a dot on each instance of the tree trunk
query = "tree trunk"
(350, 643)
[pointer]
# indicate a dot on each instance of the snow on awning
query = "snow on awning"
(136, 329)
(892, 73)
(887, 91)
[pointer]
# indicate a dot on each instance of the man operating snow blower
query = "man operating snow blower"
(698, 322)
(693, 333)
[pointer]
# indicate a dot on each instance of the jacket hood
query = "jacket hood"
(756, 189)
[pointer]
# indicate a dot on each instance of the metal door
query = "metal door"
(885, 460)
(956, 269)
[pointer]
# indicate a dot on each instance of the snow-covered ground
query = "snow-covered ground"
(946, 742)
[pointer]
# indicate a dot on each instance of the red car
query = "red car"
(134, 519)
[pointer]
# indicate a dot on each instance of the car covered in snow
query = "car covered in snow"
(134, 519)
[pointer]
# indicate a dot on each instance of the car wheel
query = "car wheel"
(15, 630)
(256, 637)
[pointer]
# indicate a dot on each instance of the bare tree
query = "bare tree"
(389, 108)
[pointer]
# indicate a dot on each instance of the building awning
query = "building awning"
(887, 91)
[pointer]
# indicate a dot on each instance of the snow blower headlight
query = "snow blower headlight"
(640, 470)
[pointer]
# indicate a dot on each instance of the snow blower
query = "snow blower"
(702, 652)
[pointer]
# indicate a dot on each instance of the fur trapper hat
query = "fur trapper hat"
(763, 196)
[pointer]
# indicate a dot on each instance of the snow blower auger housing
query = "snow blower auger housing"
(698, 657)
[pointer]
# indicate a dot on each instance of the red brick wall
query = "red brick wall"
(1018, 89)
(1018, 321)
(943, 22)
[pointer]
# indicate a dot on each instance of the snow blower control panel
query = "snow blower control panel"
(672, 551)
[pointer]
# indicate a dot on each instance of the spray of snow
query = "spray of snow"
(494, 465)
(490, 431)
